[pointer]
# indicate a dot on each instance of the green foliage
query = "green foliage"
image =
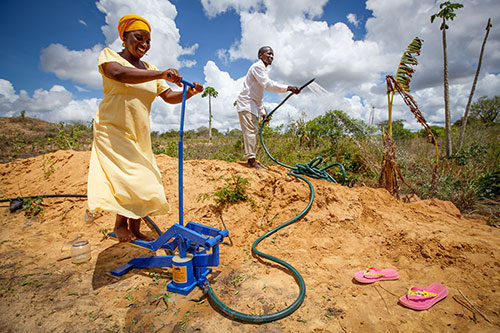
(489, 184)
(68, 136)
(23, 113)
(398, 130)
(235, 132)
(48, 169)
(104, 232)
(169, 147)
(330, 126)
(447, 13)
(202, 131)
(486, 109)
(473, 151)
(436, 130)
(210, 91)
(408, 59)
(33, 206)
(233, 191)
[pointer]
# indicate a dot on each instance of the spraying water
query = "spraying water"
(318, 90)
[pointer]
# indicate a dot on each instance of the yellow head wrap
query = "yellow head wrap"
(132, 22)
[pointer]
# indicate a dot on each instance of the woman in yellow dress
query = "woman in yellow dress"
(123, 175)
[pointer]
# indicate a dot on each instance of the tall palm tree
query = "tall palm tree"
(210, 92)
(466, 113)
(446, 13)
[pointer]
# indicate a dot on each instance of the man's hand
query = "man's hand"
(172, 75)
(294, 89)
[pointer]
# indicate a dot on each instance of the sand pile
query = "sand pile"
(346, 230)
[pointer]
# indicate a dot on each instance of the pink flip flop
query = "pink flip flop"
(419, 298)
(372, 274)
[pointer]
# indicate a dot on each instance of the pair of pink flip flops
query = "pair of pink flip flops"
(417, 298)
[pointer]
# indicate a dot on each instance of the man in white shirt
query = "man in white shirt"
(249, 102)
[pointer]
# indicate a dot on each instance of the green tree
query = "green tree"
(446, 14)
(437, 131)
(486, 109)
(399, 131)
(210, 92)
(333, 125)
(466, 113)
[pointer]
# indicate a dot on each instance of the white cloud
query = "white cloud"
(284, 9)
(82, 22)
(7, 92)
(78, 66)
(53, 105)
(352, 18)
(354, 71)
(224, 114)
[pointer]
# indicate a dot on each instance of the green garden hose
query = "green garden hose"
(310, 169)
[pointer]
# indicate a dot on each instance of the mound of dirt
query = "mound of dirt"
(345, 231)
(22, 137)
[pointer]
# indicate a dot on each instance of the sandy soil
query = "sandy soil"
(346, 230)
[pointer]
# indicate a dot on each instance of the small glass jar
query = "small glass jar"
(80, 251)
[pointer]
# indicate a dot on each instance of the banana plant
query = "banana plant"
(390, 173)
(401, 84)
(403, 74)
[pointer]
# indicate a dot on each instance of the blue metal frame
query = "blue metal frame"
(199, 241)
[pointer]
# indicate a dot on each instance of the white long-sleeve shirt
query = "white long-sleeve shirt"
(256, 80)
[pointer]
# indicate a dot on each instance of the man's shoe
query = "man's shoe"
(259, 166)
(252, 163)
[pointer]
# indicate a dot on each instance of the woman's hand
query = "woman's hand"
(172, 75)
(198, 88)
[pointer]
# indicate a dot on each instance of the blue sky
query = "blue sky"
(77, 24)
(45, 22)
(49, 54)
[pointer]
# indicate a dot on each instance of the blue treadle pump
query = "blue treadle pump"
(194, 247)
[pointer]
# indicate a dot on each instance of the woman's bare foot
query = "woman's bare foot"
(135, 225)
(121, 229)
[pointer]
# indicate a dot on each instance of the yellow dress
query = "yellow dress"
(123, 175)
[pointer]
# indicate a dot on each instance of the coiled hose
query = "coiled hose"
(310, 169)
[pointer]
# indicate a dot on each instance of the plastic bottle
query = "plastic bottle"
(80, 251)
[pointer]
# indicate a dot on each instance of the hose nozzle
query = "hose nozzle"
(308, 83)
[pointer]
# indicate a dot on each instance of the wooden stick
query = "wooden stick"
(389, 291)
(466, 306)
(341, 326)
(463, 304)
(382, 299)
(474, 307)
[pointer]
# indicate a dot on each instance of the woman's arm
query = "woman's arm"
(117, 72)
(174, 97)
